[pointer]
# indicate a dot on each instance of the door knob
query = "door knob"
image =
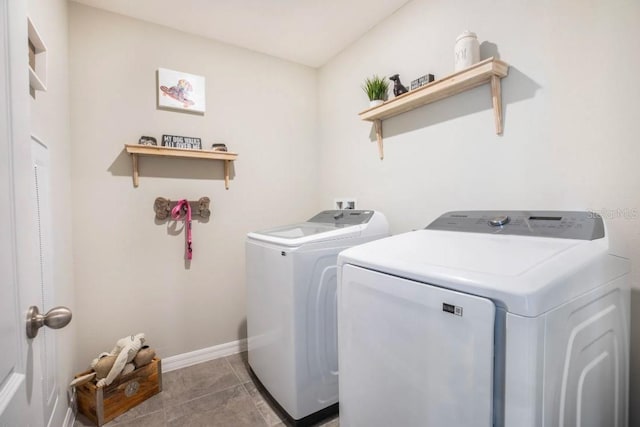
(56, 318)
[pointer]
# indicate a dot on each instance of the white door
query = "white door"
(13, 399)
(28, 392)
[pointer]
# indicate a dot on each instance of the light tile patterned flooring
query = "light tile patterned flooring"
(218, 393)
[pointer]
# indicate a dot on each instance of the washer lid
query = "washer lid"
(326, 225)
(526, 275)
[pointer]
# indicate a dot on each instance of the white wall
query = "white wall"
(50, 123)
(571, 111)
(130, 269)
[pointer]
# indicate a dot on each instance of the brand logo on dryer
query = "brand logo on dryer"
(453, 309)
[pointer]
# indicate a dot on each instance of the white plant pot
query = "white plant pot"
(375, 103)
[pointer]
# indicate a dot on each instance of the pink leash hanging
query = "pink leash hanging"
(175, 214)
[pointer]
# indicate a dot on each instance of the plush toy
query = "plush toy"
(144, 356)
(126, 349)
(108, 366)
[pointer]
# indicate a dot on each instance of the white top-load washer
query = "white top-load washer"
(484, 318)
(291, 276)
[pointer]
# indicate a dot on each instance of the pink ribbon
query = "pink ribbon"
(175, 214)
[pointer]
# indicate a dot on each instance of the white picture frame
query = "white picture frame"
(180, 91)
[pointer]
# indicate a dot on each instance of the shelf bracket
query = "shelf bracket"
(136, 174)
(378, 126)
(496, 96)
(226, 174)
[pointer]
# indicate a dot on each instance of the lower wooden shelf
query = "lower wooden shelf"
(136, 150)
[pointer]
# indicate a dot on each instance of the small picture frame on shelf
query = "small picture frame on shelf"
(421, 81)
(147, 140)
(185, 142)
(219, 147)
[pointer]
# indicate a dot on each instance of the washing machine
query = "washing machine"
(486, 318)
(291, 274)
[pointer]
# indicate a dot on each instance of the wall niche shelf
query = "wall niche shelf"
(136, 150)
(490, 70)
(37, 59)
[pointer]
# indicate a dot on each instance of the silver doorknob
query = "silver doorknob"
(56, 318)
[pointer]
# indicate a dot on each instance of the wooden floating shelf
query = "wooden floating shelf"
(488, 71)
(150, 150)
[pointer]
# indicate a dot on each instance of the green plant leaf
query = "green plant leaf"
(375, 87)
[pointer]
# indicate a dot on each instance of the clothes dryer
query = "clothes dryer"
(486, 318)
(291, 307)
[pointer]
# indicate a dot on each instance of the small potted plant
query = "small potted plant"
(376, 89)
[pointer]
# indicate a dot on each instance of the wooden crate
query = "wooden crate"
(103, 404)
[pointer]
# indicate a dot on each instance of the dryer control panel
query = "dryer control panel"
(343, 217)
(581, 225)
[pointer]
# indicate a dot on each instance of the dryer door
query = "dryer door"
(412, 354)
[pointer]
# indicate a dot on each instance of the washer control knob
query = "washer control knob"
(499, 221)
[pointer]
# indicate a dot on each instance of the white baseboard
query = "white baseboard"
(203, 355)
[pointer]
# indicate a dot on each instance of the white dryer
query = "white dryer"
(516, 319)
(291, 276)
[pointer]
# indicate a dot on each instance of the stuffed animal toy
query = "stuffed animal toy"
(126, 349)
(144, 356)
(108, 366)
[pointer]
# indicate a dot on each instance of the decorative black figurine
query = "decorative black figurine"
(398, 88)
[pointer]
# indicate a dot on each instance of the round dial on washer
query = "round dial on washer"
(499, 220)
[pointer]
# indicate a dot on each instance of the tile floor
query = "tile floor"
(211, 394)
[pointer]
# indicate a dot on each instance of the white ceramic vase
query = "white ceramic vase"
(375, 103)
(467, 50)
